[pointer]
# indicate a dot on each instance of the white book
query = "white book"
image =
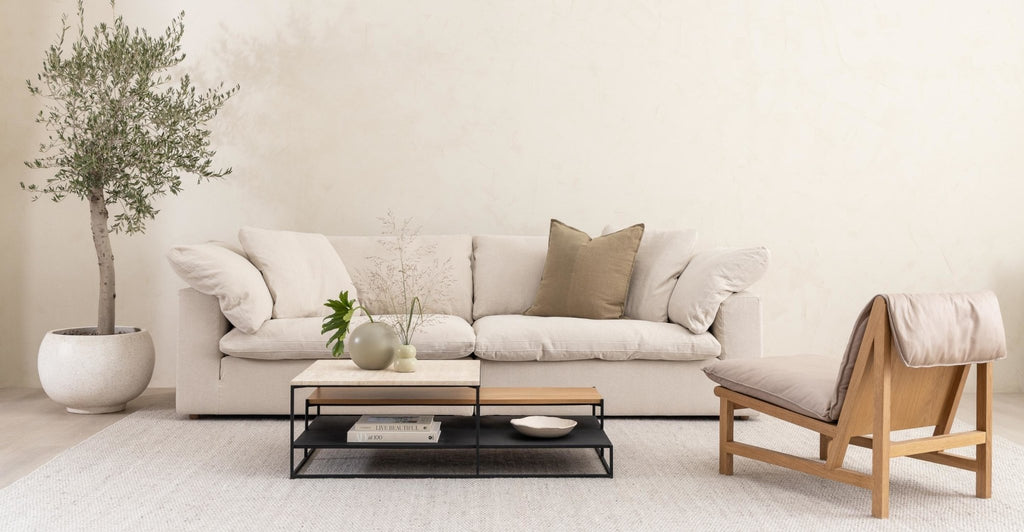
(400, 436)
(393, 423)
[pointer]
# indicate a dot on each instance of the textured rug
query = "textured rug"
(154, 470)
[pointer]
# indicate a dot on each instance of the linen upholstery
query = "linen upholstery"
(927, 330)
(450, 253)
(440, 337)
(709, 278)
(586, 277)
(301, 270)
(946, 329)
(738, 327)
(662, 256)
(219, 270)
(506, 273)
(515, 337)
(210, 383)
(801, 383)
(197, 375)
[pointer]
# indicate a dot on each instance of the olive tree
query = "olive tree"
(122, 129)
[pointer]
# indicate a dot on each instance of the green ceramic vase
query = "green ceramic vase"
(373, 345)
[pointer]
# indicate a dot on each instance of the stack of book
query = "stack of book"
(395, 429)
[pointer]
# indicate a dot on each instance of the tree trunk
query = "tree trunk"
(105, 257)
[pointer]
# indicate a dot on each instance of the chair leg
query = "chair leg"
(725, 425)
(880, 442)
(823, 442)
(880, 484)
(983, 488)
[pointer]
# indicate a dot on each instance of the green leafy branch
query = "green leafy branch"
(339, 320)
(120, 127)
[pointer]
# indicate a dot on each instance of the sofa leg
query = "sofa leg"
(823, 446)
(725, 424)
(193, 416)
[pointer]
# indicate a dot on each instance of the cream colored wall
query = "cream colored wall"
(872, 148)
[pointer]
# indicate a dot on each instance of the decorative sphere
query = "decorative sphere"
(372, 345)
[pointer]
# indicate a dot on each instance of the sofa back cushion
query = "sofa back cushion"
(662, 256)
(302, 271)
(450, 253)
(506, 273)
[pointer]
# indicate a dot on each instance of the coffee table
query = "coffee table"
(436, 383)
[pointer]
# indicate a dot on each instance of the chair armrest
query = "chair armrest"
(200, 328)
(738, 326)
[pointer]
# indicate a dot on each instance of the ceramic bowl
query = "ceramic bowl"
(544, 426)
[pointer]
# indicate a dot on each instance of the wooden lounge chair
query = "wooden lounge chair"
(905, 367)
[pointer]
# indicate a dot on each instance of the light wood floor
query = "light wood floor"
(34, 429)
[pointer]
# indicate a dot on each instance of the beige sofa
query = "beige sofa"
(642, 368)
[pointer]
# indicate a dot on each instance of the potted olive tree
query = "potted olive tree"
(122, 130)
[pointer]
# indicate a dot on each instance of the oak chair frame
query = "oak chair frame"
(884, 396)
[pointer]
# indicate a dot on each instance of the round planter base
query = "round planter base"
(97, 409)
(95, 374)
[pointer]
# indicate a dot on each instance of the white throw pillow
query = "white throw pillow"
(302, 270)
(661, 258)
(711, 277)
(216, 269)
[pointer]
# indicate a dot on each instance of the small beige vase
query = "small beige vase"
(406, 360)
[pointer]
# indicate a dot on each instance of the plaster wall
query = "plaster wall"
(873, 148)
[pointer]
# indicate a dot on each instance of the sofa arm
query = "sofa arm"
(200, 328)
(738, 326)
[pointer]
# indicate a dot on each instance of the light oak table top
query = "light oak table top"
(454, 396)
(428, 373)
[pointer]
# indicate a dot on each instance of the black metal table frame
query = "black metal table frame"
(307, 452)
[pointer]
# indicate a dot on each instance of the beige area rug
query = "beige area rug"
(154, 470)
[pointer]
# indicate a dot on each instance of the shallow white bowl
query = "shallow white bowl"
(544, 426)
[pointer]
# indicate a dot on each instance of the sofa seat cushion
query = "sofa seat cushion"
(801, 383)
(516, 337)
(440, 337)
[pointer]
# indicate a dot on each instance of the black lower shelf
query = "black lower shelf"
(457, 432)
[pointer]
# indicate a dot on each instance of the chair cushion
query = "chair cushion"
(302, 270)
(804, 383)
(440, 337)
(946, 329)
(586, 277)
(661, 258)
(515, 337)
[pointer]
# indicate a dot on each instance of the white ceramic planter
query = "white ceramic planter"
(91, 374)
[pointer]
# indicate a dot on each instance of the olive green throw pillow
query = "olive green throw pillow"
(586, 277)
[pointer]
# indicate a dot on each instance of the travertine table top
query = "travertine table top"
(428, 373)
